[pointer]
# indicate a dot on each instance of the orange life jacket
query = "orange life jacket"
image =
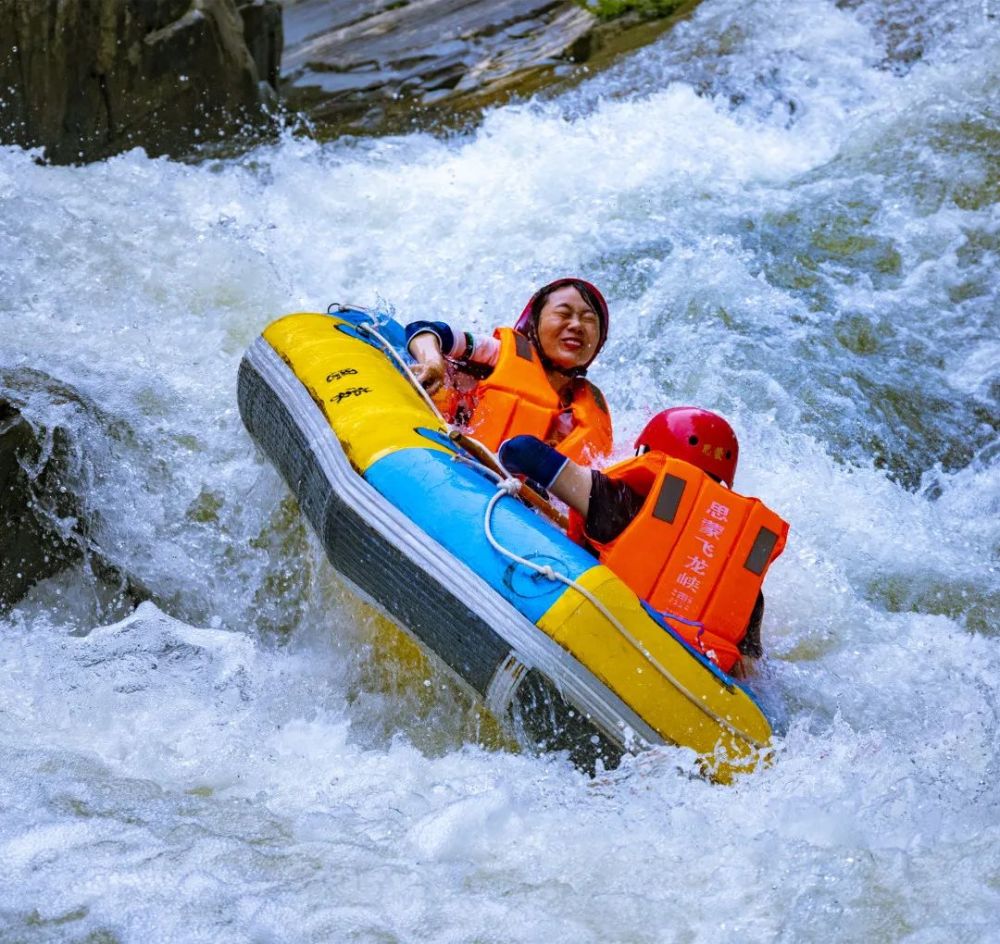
(696, 550)
(517, 398)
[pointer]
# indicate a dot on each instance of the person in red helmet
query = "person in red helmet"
(529, 379)
(669, 524)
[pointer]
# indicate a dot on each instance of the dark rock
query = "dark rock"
(375, 65)
(39, 514)
(89, 78)
(264, 35)
(44, 522)
(40, 532)
(384, 54)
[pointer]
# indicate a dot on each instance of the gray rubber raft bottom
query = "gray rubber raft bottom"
(551, 700)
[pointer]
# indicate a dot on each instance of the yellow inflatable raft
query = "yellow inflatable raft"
(524, 617)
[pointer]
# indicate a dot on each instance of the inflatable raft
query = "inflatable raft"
(550, 639)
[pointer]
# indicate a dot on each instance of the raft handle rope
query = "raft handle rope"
(510, 486)
(406, 369)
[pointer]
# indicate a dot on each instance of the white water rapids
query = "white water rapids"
(793, 210)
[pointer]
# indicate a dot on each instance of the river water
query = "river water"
(793, 210)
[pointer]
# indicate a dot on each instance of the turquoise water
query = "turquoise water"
(793, 210)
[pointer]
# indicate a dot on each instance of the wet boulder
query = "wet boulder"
(89, 78)
(45, 523)
(263, 32)
(379, 65)
(40, 529)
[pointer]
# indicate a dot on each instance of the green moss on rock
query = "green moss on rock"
(612, 9)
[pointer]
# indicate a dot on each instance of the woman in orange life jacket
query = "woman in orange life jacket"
(524, 380)
(670, 526)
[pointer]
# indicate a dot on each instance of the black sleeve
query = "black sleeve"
(612, 506)
(443, 332)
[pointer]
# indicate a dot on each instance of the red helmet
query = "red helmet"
(526, 322)
(697, 436)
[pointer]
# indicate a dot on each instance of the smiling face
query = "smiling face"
(568, 329)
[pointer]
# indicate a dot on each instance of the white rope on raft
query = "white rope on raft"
(509, 485)
(419, 387)
(405, 368)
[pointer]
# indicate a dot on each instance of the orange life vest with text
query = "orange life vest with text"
(517, 398)
(695, 550)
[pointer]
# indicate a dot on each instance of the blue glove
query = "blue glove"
(529, 456)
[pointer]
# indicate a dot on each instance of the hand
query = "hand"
(430, 373)
(429, 369)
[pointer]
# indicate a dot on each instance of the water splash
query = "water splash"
(793, 214)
